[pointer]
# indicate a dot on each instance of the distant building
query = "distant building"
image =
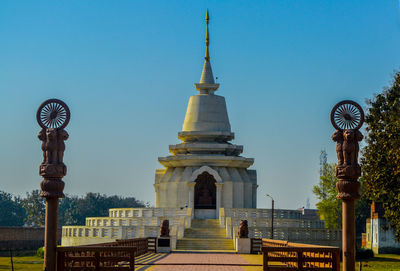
(308, 213)
(378, 236)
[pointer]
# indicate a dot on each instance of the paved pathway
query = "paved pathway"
(194, 258)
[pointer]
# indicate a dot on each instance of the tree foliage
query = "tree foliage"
(72, 210)
(35, 208)
(381, 156)
(11, 211)
(329, 207)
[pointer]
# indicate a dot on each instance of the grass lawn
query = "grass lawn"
(387, 262)
(381, 262)
(31, 263)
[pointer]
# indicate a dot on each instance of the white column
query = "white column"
(219, 198)
(191, 195)
(156, 188)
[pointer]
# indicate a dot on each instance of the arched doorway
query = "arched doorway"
(205, 192)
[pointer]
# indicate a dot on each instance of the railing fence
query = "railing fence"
(283, 255)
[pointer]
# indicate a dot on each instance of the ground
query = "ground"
(382, 262)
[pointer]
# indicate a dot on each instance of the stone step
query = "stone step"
(204, 233)
(204, 244)
(206, 236)
(204, 247)
(205, 223)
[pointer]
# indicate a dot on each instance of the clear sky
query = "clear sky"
(127, 68)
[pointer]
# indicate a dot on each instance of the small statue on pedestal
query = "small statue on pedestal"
(243, 229)
(164, 231)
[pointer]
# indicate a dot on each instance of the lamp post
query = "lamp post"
(272, 216)
(53, 116)
(347, 117)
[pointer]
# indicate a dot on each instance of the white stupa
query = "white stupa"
(205, 171)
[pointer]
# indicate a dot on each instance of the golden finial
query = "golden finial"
(207, 38)
(207, 83)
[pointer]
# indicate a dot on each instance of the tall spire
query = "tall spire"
(207, 83)
(207, 57)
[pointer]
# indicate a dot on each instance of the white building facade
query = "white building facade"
(379, 236)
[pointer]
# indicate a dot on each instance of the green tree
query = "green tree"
(12, 212)
(363, 210)
(381, 155)
(329, 207)
(35, 207)
(73, 210)
(67, 211)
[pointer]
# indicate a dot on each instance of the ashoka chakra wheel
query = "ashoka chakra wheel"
(347, 115)
(53, 113)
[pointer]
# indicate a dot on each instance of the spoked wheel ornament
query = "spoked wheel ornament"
(347, 115)
(53, 113)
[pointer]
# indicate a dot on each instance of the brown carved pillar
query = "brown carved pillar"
(348, 187)
(347, 117)
(53, 116)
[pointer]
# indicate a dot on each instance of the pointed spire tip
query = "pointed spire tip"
(207, 83)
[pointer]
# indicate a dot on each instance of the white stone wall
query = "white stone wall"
(127, 223)
(288, 225)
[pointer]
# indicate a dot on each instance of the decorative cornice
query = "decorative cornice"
(209, 160)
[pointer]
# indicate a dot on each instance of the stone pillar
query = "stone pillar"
(254, 196)
(347, 118)
(191, 195)
(348, 187)
(53, 116)
(156, 188)
(219, 198)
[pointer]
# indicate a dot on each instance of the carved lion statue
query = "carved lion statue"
(351, 147)
(338, 138)
(51, 146)
(243, 229)
(164, 232)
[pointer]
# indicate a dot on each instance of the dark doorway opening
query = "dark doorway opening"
(205, 192)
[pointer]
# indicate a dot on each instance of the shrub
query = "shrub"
(40, 252)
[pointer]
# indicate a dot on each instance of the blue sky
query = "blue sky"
(127, 68)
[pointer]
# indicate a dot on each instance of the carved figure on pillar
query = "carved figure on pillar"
(351, 147)
(51, 146)
(347, 117)
(338, 138)
(243, 229)
(164, 231)
(62, 135)
(53, 116)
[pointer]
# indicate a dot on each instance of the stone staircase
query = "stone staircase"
(205, 234)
